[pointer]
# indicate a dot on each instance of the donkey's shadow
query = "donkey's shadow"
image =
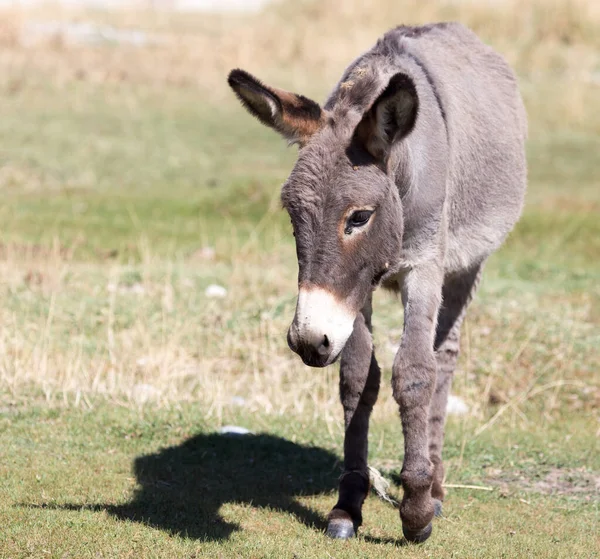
(181, 489)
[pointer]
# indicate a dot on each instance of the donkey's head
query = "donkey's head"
(341, 196)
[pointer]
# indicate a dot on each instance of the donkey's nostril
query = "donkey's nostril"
(323, 349)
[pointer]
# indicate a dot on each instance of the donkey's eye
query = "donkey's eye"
(360, 218)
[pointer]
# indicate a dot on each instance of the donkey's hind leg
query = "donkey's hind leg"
(359, 387)
(458, 291)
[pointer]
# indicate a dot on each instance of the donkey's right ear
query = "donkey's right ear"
(294, 116)
(391, 117)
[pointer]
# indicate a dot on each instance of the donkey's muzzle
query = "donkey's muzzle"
(321, 327)
(315, 351)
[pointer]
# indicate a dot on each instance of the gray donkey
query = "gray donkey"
(411, 175)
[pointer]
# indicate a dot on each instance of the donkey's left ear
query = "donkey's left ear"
(391, 118)
(294, 116)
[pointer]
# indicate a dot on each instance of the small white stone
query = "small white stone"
(456, 406)
(215, 291)
(238, 401)
(234, 430)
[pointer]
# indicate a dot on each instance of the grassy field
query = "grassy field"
(131, 181)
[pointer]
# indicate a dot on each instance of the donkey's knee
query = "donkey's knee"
(447, 355)
(371, 387)
(359, 375)
(413, 379)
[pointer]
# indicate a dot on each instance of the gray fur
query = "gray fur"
(428, 128)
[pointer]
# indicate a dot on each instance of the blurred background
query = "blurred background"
(148, 277)
(144, 254)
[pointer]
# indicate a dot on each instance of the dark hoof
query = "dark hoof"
(340, 526)
(437, 507)
(340, 529)
(417, 536)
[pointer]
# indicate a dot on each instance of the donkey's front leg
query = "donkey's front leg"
(359, 387)
(413, 382)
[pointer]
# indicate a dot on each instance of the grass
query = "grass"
(194, 493)
(131, 181)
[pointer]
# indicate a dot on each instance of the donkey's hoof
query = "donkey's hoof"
(437, 507)
(417, 536)
(340, 526)
(340, 530)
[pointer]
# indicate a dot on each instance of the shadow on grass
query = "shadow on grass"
(181, 489)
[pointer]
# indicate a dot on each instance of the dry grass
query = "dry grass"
(147, 333)
(306, 44)
(553, 44)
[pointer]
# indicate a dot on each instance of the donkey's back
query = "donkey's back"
(486, 128)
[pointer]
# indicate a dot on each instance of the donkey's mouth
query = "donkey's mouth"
(319, 361)
(311, 356)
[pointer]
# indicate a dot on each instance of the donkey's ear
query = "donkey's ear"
(390, 118)
(294, 116)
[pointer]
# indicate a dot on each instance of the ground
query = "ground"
(131, 181)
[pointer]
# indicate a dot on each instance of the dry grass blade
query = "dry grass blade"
(462, 486)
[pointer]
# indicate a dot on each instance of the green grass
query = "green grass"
(114, 482)
(101, 176)
(117, 372)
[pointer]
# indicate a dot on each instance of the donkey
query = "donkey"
(409, 177)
